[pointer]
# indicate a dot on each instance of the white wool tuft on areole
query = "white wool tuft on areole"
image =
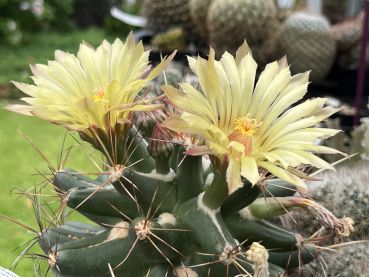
(185, 272)
(119, 231)
(167, 218)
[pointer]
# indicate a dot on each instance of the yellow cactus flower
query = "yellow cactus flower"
(93, 92)
(81, 91)
(250, 126)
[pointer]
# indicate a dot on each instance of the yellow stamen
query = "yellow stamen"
(100, 96)
(244, 129)
(246, 126)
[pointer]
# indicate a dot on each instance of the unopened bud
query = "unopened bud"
(160, 148)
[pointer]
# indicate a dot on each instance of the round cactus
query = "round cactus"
(165, 14)
(345, 192)
(308, 43)
(347, 33)
(170, 40)
(335, 10)
(350, 261)
(199, 12)
(230, 22)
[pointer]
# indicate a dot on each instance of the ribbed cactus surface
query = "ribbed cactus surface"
(230, 22)
(308, 43)
(166, 14)
(199, 13)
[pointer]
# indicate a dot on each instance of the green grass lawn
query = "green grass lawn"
(18, 160)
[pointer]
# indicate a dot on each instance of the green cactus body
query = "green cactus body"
(349, 261)
(348, 35)
(163, 15)
(69, 231)
(308, 43)
(351, 196)
(230, 22)
(170, 40)
(199, 13)
(335, 10)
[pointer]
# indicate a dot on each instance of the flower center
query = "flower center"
(246, 126)
(243, 130)
(100, 96)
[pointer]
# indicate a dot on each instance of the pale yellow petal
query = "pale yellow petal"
(247, 71)
(282, 174)
(242, 52)
(21, 109)
(279, 83)
(265, 79)
(249, 169)
(233, 175)
(161, 66)
(190, 100)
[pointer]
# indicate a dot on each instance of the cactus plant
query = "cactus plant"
(335, 10)
(348, 35)
(199, 13)
(254, 21)
(308, 43)
(163, 15)
(170, 40)
(163, 210)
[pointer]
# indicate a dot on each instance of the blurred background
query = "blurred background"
(325, 37)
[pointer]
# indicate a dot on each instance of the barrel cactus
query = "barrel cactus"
(335, 10)
(348, 34)
(199, 13)
(196, 207)
(230, 22)
(307, 41)
(163, 15)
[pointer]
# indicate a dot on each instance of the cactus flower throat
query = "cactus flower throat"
(244, 129)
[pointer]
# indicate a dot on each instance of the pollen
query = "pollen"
(100, 96)
(246, 126)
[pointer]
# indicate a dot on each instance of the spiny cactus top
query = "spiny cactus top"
(251, 127)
